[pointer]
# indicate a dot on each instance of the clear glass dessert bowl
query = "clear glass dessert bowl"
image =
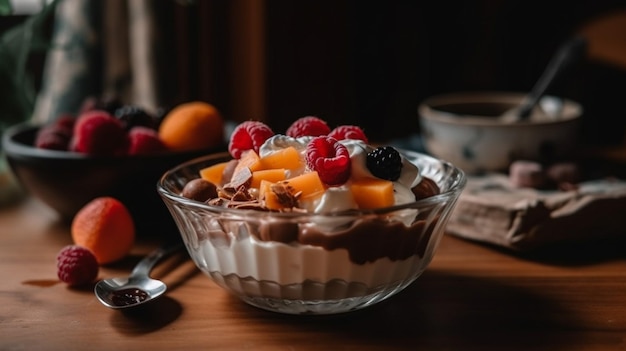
(313, 263)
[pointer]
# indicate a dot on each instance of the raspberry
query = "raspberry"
(329, 158)
(66, 121)
(144, 141)
(99, 133)
(132, 116)
(385, 162)
(248, 135)
(53, 137)
(76, 265)
(308, 126)
(348, 132)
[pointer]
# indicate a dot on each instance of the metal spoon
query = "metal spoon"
(566, 55)
(138, 288)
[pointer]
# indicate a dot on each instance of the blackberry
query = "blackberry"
(133, 116)
(385, 163)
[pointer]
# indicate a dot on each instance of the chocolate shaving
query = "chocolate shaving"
(248, 205)
(242, 178)
(235, 194)
(284, 195)
(216, 202)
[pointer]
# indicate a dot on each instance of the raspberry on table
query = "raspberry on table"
(385, 162)
(348, 132)
(330, 159)
(248, 135)
(308, 126)
(76, 265)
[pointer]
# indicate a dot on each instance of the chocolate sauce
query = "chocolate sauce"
(129, 296)
(371, 239)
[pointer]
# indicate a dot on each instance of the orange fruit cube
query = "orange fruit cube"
(271, 175)
(288, 158)
(214, 173)
(370, 193)
(268, 196)
(308, 183)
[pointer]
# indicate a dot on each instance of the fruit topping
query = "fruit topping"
(385, 162)
(99, 133)
(215, 173)
(288, 158)
(144, 141)
(248, 135)
(348, 132)
(272, 175)
(370, 193)
(329, 158)
(308, 126)
(76, 265)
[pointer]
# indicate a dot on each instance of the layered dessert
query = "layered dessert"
(314, 215)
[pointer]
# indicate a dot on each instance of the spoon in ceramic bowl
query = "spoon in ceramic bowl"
(569, 52)
(138, 288)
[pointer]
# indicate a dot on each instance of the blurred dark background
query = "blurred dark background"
(371, 62)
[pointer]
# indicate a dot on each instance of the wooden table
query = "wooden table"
(472, 297)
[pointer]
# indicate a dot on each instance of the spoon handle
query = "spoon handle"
(567, 54)
(144, 266)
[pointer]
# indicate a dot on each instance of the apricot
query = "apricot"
(192, 126)
(105, 227)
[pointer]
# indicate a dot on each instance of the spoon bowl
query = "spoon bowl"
(138, 288)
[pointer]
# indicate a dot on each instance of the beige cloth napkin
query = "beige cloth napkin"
(492, 211)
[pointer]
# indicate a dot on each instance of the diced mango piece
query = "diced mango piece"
(250, 159)
(370, 193)
(288, 158)
(214, 173)
(271, 175)
(268, 196)
(308, 183)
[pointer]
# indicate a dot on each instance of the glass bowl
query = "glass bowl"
(306, 263)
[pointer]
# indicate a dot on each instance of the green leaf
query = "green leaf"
(17, 85)
(5, 8)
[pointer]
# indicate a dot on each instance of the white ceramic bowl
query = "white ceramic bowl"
(464, 129)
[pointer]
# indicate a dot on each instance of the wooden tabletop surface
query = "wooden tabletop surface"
(472, 297)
